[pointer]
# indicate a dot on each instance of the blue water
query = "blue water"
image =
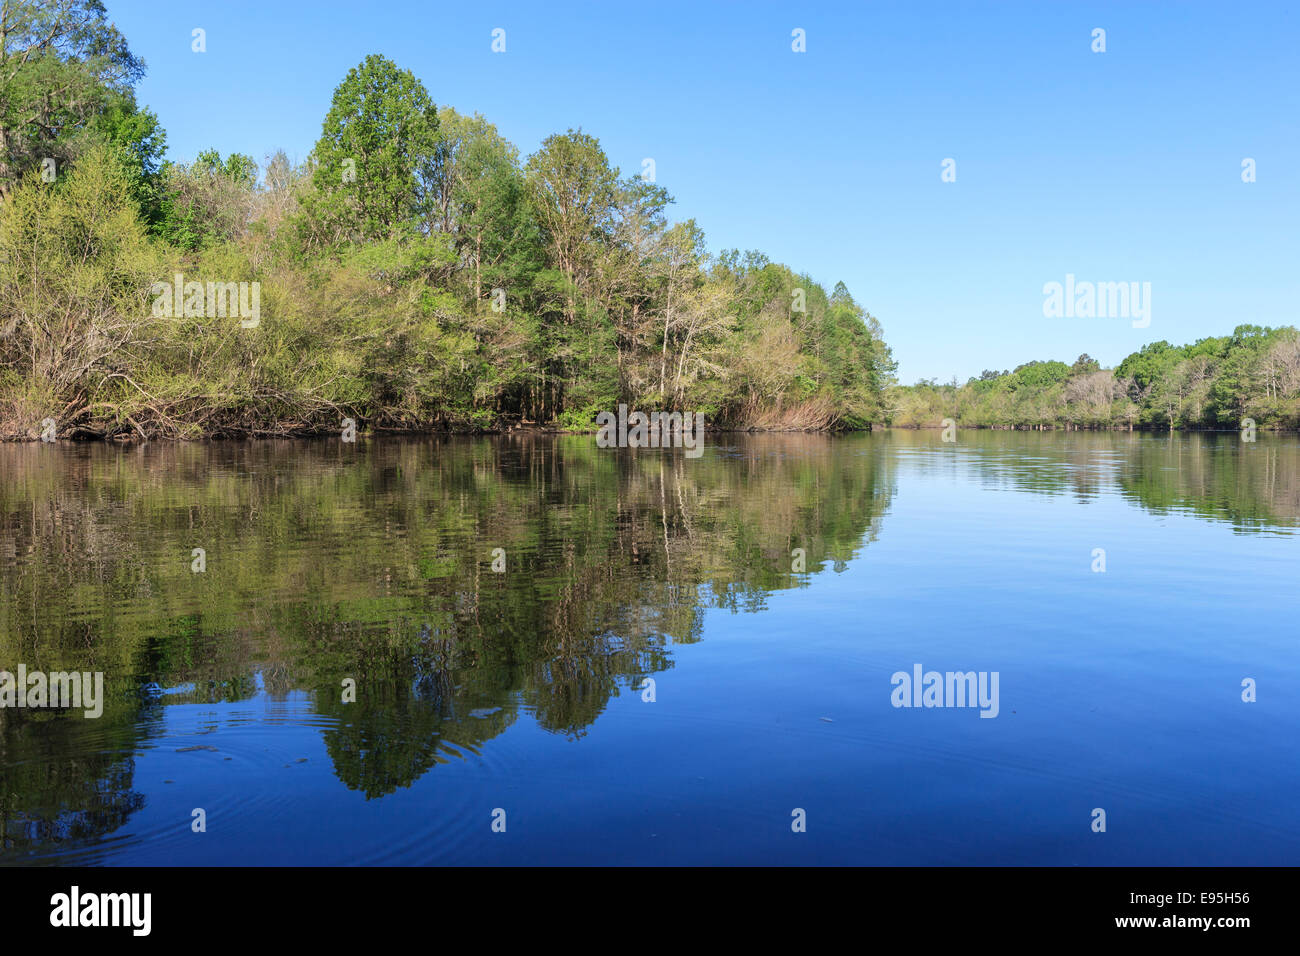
(1119, 690)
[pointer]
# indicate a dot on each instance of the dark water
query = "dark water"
(523, 690)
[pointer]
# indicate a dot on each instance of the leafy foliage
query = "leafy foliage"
(1213, 383)
(413, 273)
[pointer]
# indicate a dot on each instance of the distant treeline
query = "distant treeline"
(1216, 382)
(412, 272)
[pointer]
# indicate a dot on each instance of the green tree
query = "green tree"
(207, 202)
(574, 191)
(479, 199)
(141, 142)
(61, 65)
(1085, 364)
(375, 159)
(75, 273)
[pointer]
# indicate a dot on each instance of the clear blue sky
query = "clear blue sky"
(1115, 166)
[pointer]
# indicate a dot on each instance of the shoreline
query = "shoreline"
(126, 437)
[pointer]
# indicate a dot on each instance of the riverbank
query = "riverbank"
(1138, 429)
(128, 435)
(1250, 376)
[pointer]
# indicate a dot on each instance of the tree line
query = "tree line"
(1216, 382)
(414, 272)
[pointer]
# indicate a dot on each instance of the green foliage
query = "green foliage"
(1084, 365)
(376, 155)
(416, 273)
(208, 202)
(75, 272)
(140, 141)
(1148, 364)
(1214, 383)
(1038, 375)
(65, 67)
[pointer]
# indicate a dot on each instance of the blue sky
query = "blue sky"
(1115, 166)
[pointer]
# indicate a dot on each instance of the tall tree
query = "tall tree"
(376, 154)
(479, 201)
(683, 256)
(574, 191)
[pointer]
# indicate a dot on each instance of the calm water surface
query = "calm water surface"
(523, 690)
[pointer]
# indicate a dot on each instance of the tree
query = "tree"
(140, 142)
(1281, 365)
(75, 275)
(682, 255)
(1036, 375)
(574, 190)
(281, 192)
(1084, 365)
(1147, 365)
(375, 159)
(1089, 396)
(478, 199)
(61, 64)
(207, 202)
